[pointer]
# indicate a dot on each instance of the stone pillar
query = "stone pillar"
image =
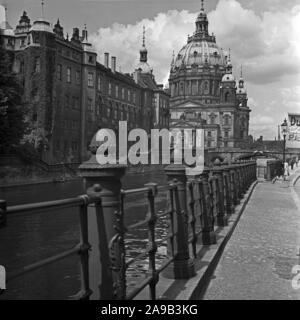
(107, 258)
(182, 267)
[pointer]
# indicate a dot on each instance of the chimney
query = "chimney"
(106, 60)
(75, 36)
(84, 34)
(113, 64)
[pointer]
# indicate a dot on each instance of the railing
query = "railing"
(196, 205)
(82, 248)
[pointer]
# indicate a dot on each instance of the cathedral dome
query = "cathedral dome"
(201, 47)
(200, 51)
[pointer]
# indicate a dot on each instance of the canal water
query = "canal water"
(30, 237)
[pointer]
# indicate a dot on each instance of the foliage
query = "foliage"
(12, 110)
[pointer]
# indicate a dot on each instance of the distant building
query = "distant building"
(143, 75)
(204, 92)
(293, 137)
(71, 95)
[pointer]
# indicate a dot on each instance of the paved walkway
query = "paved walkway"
(258, 259)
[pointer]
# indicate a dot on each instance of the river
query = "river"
(27, 238)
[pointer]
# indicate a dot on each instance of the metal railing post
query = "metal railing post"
(107, 266)
(232, 175)
(152, 246)
(222, 219)
(182, 266)
(227, 190)
(86, 292)
(3, 217)
(208, 233)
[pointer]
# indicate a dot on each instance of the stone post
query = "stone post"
(107, 258)
(183, 266)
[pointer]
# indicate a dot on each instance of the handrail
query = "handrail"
(38, 206)
(194, 208)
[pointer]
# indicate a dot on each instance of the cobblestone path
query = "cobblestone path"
(258, 260)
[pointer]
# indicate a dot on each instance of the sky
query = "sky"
(264, 37)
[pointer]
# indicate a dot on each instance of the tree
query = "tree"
(12, 110)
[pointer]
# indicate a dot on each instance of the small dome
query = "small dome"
(7, 32)
(41, 25)
(228, 77)
(6, 29)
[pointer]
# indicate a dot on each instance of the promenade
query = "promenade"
(258, 259)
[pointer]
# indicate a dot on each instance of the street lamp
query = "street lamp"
(284, 131)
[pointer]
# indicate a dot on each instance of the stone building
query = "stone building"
(71, 94)
(204, 92)
(143, 75)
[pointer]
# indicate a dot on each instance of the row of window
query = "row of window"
(118, 92)
(226, 134)
(120, 114)
(68, 74)
(70, 102)
(210, 144)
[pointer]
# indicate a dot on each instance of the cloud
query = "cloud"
(267, 43)
(164, 33)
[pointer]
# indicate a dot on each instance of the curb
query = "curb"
(295, 180)
(198, 294)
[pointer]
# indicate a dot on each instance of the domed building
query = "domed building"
(204, 92)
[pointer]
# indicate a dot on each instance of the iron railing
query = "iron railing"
(195, 207)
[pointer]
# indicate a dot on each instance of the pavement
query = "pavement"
(262, 257)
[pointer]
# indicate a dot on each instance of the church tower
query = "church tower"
(228, 85)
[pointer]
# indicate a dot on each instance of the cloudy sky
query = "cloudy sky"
(264, 36)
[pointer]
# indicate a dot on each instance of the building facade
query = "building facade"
(71, 94)
(204, 92)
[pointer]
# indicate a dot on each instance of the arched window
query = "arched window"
(227, 96)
